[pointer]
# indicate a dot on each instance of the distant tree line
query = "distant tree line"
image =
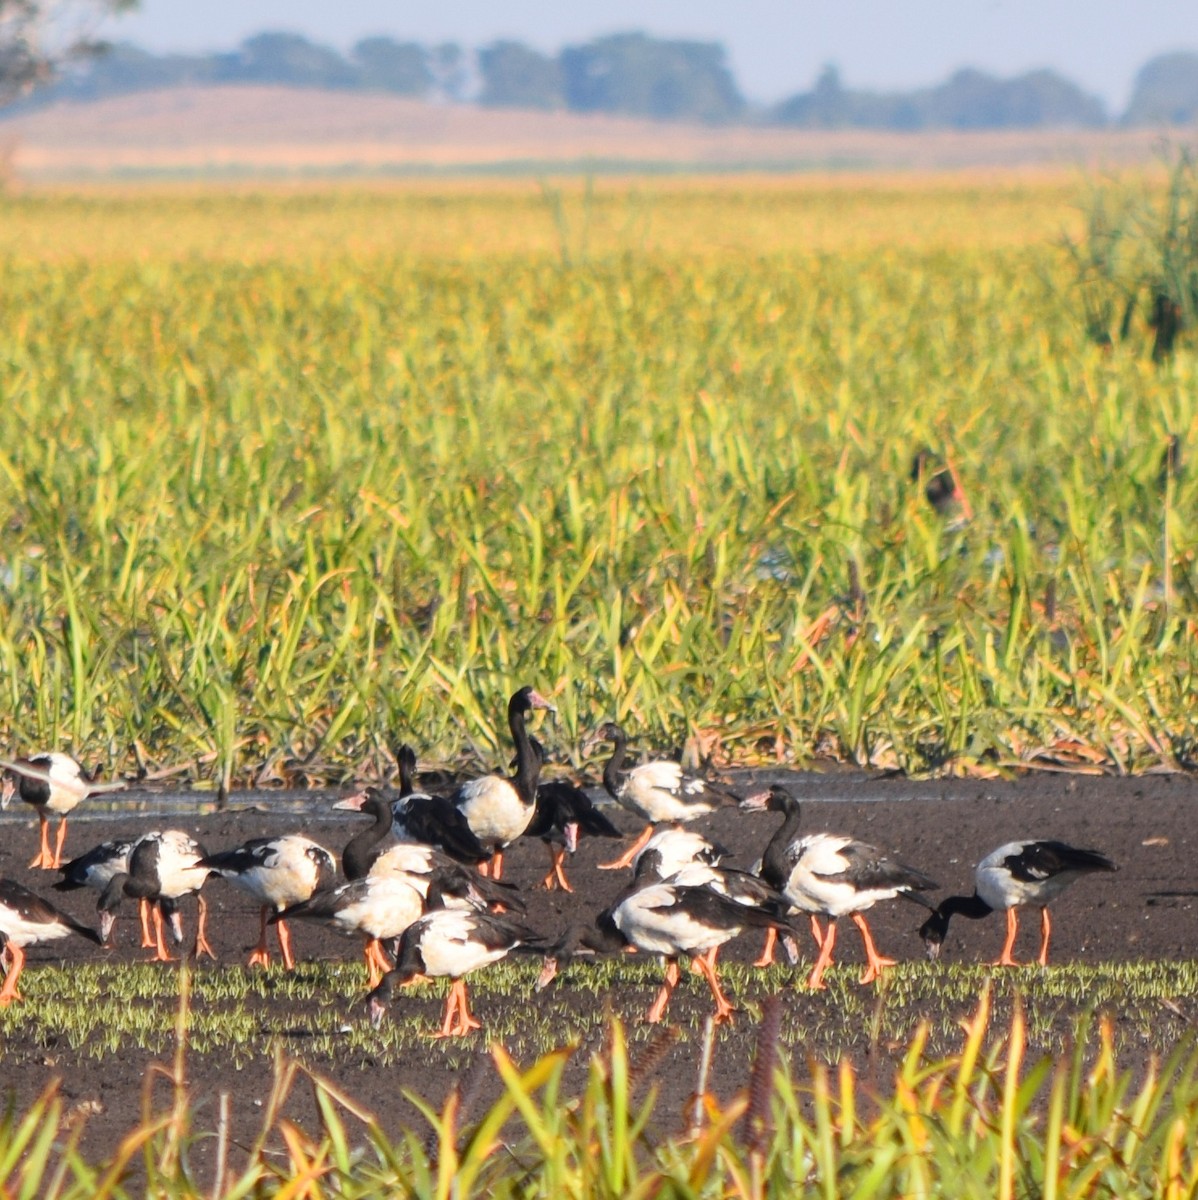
(637, 75)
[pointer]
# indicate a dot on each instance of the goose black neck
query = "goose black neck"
(615, 764)
(360, 852)
(407, 770)
(973, 907)
(528, 762)
(773, 861)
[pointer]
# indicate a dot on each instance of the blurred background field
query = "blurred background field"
(288, 472)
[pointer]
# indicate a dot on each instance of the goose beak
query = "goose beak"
(354, 802)
(107, 921)
(593, 740)
(7, 791)
(548, 974)
(375, 1008)
(571, 836)
(539, 701)
(755, 802)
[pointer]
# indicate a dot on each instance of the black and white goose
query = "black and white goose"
(499, 808)
(677, 848)
(664, 917)
(95, 870)
(54, 784)
(451, 942)
(563, 814)
(277, 872)
(833, 875)
(431, 820)
(1016, 875)
(655, 791)
(25, 920)
(164, 867)
(377, 908)
(458, 886)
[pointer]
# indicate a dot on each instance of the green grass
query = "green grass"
(260, 517)
(988, 1118)
(91, 1012)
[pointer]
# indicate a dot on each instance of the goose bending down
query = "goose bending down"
(677, 848)
(457, 887)
(54, 784)
(164, 866)
(451, 942)
(655, 791)
(95, 870)
(277, 872)
(431, 820)
(832, 875)
(26, 919)
(1015, 875)
(668, 918)
(377, 908)
(563, 813)
(497, 808)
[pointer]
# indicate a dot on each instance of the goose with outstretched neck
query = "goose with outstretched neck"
(499, 808)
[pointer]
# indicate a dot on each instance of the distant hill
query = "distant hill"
(259, 129)
(629, 74)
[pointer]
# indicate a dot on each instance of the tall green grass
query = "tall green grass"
(260, 517)
(985, 1121)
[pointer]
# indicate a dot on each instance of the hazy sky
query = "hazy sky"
(777, 46)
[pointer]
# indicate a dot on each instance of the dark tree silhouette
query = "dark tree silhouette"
(37, 37)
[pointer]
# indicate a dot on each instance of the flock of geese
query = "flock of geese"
(426, 877)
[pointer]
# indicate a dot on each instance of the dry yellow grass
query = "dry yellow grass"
(716, 217)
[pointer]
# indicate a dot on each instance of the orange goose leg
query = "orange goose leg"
(497, 864)
(706, 966)
(43, 860)
(161, 954)
(202, 946)
(62, 837)
(875, 963)
(816, 980)
(557, 874)
(16, 960)
(457, 1008)
(1045, 934)
(143, 912)
(376, 963)
(655, 1013)
(766, 957)
(625, 859)
(1005, 959)
(285, 944)
(260, 956)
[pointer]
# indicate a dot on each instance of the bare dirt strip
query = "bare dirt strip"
(1145, 912)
